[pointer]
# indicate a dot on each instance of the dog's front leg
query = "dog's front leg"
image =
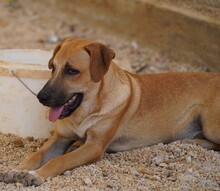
(54, 147)
(90, 152)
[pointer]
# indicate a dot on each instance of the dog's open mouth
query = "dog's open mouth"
(67, 109)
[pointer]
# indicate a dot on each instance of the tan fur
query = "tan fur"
(122, 111)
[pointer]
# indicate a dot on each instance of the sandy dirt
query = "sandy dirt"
(174, 167)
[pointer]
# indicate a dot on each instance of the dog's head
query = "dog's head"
(77, 65)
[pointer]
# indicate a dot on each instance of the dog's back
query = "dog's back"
(171, 106)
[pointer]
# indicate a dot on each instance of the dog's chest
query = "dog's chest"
(81, 129)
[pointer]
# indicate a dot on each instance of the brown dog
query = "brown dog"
(109, 109)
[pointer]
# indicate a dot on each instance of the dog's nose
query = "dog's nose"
(43, 97)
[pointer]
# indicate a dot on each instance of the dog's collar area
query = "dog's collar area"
(67, 109)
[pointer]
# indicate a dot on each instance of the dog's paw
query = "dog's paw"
(29, 178)
(8, 177)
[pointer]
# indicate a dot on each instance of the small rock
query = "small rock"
(189, 171)
(105, 173)
(157, 160)
(30, 139)
(157, 178)
(166, 173)
(217, 161)
(173, 179)
(88, 181)
(171, 166)
(110, 184)
(18, 142)
(49, 178)
(114, 177)
(1, 161)
(185, 188)
(135, 172)
(208, 183)
(18, 184)
(52, 39)
(82, 188)
(34, 148)
(67, 173)
(143, 188)
(134, 47)
(177, 151)
(207, 169)
(164, 165)
(189, 159)
(191, 153)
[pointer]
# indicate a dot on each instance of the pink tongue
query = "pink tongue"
(55, 113)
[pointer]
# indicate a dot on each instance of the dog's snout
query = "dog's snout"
(43, 97)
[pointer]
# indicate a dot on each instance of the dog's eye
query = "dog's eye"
(72, 71)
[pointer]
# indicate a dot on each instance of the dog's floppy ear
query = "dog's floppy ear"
(50, 63)
(100, 59)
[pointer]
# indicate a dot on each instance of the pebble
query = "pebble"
(49, 178)
(135, 172)
(166, 173)
(30, 138)
(189, 159)
(164, 165)
(157, 160)
(18, 184)
(134, 47)
(110, 184)
(52, 39)
(185, 188)
(88, 182)
(173, 179)
(189, 171)
(142, 188)
(18, 142)
(105, 173)
(177, 151)
(207, 169)
(67, 173)
(171, 166)
(208, 183)
(114, 177)
(157, 178)
(217, 161)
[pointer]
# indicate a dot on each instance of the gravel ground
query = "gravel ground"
(174, 167)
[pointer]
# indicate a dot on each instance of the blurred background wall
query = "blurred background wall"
(187, 30)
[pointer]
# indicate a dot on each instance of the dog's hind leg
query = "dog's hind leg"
(203, 142)
(211, 126)
(203, 132)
